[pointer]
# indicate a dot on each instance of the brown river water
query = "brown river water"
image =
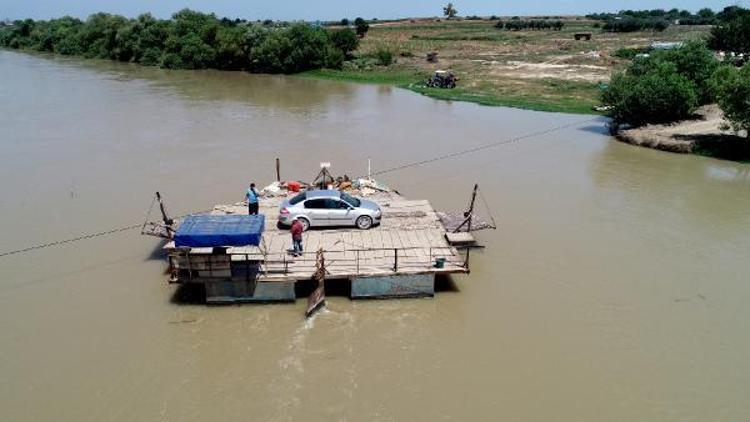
(615, 288)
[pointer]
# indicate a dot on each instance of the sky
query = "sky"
(337, 9)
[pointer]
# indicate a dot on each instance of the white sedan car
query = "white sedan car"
(326, 208)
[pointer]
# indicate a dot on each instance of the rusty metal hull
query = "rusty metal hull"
(398, 286)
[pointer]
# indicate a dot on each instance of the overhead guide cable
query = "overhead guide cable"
(381, 172)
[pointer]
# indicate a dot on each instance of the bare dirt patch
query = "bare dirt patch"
(547, 70)
(550, 70)
(702, 132)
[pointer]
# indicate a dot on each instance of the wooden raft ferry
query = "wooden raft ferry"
(398, 258)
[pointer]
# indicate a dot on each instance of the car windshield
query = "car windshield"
(297, 199)
(350, 200)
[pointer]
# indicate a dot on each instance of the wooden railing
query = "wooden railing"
(386, 259)
(349, 261)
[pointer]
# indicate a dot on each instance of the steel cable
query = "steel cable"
(377, 173)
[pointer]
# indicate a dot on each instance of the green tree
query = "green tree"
(361, 27)
(152, 33)
(65, 35)
(733, 96)
(195, 53)
(656, 93)
(706, 13)
(99, 35)
(334, 57)
(191, 40)
(733, 31)
(384, 56)
(730, 13)
(188, 22)
(449, 11)
(127, 43)
(171, 57)
(697, 63)
(232, 51)
(296, 48)
(345, 40)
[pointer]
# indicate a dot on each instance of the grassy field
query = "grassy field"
(540, 70)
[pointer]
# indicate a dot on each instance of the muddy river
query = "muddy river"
(615, 288)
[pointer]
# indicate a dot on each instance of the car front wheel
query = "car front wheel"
(364, 222)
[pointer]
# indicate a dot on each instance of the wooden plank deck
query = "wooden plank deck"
(411, 227)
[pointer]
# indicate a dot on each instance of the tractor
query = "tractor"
(442, 79)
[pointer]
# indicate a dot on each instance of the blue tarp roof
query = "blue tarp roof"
(205, 231)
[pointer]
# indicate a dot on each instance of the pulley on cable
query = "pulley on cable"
(164, 228)
(459, 226)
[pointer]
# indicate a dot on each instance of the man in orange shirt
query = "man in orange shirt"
(297, 230)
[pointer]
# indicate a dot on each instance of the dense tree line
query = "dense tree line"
(655, 19)
(189, 40)
(705, 16)
(630, 24)
(519, 24)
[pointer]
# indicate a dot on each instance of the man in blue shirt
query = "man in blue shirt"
(251, 196)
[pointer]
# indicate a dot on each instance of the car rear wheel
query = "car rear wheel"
(364, 222)
(305, 224)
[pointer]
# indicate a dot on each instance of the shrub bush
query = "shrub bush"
(652, 93)
(698, 64)
(384, 56)
(345, 40)
(732, 87)
(629, 53)
(665, 87)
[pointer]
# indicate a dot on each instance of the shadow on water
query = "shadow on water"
(195, 293)
(727, 147)
(275, 92)
(189, 294)
(333, 287)
(655, 180)
(600, 129)
(157, 253)
(445, 284)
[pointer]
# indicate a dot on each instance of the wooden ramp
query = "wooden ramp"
(460, 239)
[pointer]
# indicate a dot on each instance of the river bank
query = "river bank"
(542, 70)
(561, 96)
(700, 135)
